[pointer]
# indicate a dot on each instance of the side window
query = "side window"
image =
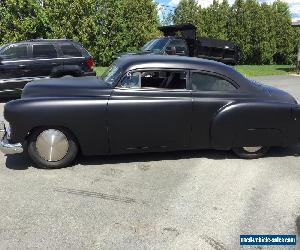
(131, 80)
(15, 52)
(155, 79)
(205, 82)
(69, 50)
(44, 51)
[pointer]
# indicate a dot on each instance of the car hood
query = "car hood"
(66, 86)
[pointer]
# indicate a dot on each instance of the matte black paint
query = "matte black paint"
(109, 120)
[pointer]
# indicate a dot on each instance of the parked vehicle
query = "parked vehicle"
(146, 104)
(181, 40)
(25, 61)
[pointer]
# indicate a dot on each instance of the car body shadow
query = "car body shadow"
(177, 155)
(10, 97)
(22, 162)
(289, 70)
(18, 162)
(159, 156)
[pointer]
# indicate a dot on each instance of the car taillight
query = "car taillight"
(90, 63)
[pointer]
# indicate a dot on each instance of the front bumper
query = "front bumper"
(6, 147)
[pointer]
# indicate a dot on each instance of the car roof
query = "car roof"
(41, 41)
(38, 41)
(50, 40)
(132, 62)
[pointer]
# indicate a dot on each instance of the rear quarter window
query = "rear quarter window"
(206, 82)
(69, 50)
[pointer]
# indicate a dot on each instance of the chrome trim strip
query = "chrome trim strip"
(10, 90)
(6, 147)
(23, 79)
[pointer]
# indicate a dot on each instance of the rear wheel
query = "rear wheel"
(251, 152)
(52, 148)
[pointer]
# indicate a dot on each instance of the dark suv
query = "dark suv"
(25, 61)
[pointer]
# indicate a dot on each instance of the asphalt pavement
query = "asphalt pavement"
(184, 200)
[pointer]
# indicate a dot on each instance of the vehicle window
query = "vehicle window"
(44, 51)
(155, 79)
(132, 80)
(177, 42)
(70, 50)
(15, 52)
(155, 45)
(179, 45)
(112, 74)
(205, 82)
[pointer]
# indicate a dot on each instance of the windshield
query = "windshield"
(111, 74)
(155, 45)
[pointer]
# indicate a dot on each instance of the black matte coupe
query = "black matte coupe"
(149, 103)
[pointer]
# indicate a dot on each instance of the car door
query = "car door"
(13, 66)
(147, 112)
(210, 92)
(44, 59)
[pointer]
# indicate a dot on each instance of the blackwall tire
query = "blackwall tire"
(59, 152)
(251, 152)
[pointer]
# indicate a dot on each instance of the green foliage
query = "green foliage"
(20, 20)
(216, 20)
(188, 11)
(105, 27)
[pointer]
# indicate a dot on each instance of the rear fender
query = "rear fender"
(252, 124)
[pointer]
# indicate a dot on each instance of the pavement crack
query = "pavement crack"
(213, 243)
(96, 195)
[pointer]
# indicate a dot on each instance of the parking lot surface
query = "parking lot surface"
(184, 200)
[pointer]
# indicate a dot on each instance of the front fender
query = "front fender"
(85, 118)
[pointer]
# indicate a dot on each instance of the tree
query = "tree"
(216, 20)
(105, 27)
(188, 11)
(283, 31)
(141, 22)
(237, 28)
(21, 20)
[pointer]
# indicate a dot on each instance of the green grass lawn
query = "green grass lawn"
(100, 70)
(265, 70)
(247, 70)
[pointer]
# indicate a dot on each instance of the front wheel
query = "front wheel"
(52, 148)
(251, 152)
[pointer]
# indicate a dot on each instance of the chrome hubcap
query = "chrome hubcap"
(252, 149)
(52, 145)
